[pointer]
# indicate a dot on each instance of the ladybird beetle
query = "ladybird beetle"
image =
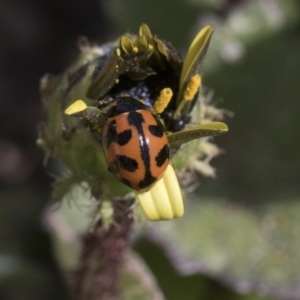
(134, 142)
(136, 146)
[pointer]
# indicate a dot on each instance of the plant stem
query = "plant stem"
(102, 254)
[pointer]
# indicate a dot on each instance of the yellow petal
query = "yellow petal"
(173, 188)
(163, 201)
(76, 107)
(146, 201)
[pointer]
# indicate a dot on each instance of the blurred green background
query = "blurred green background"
(240, 236)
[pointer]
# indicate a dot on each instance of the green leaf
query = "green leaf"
(204, 130)
(195, 55)
(259, 250)
(192, 65)
(137, 281)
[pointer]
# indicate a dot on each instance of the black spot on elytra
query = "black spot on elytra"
(123, 104)
(162, 155)
(156, 130)
(127, 163)
(147, 181)
(112, 136)
(126, 181)
(124, 137)
(135, 119)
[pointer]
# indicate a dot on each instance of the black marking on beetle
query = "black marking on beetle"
(136, 119)
(162, 155)
(127, 163)
(124, 137)
(147, 181)
(156, 130)
(126, 181)
(124, 105)
(113, 136)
